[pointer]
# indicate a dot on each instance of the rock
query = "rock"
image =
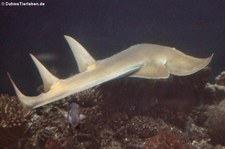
(144, 126)
(168, 139)
(216, 122)
(219, 147)
(132, 142)
(202, 144)
(12, 112)
(196, 133)
(198, 115)
(89, 97)
(52, 144)
(216, 92)
(12, 121)
(220, 79)
(195, 130)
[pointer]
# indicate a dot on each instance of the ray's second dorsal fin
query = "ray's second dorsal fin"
(83, 58)
(47, 78)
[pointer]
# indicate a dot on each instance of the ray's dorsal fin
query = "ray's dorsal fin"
(83, 58)
(47, 78)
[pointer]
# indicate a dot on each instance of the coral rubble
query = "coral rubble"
(181, 112)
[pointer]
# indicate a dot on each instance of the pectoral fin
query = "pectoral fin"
(183, 65)
(152, 71)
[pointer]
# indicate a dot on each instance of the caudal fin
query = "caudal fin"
(25, 100)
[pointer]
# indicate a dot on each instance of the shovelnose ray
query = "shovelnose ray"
(147, 61)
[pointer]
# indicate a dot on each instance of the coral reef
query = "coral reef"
(11, 111)
(180, 112)
(216, 121)
(216, 92)
(167, 139)
(12, 120)
(220, 79)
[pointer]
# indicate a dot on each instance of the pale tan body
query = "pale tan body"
(143, 60)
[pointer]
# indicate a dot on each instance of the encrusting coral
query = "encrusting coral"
(12, 120)
(11, 112)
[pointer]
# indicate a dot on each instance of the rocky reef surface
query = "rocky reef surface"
(127, 113)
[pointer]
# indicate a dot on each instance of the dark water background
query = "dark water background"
(104, 27)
